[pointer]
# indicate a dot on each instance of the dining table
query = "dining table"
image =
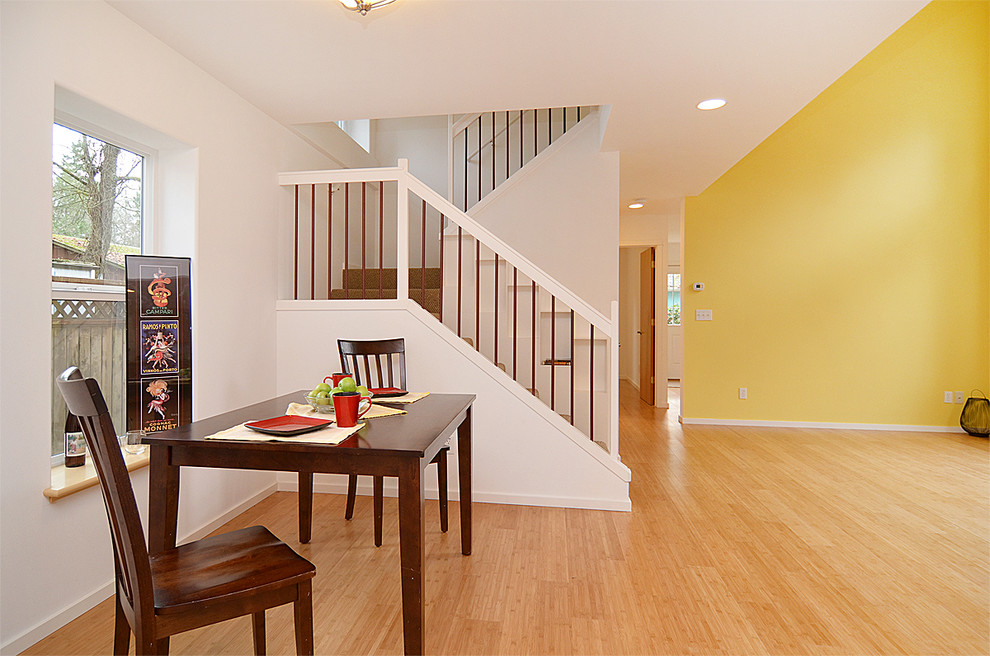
(401, 446)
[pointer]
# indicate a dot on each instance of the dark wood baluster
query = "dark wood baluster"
(553, 348)
(465, 168)
(536, 123)
(520, 139)
(591, 387)
(347, 238)
(295, 252)
(507, 145)
(493, 151)
(477, 294)
(515, 320)
(460, 253)
(480, 116)
(329, 238)
(572, 368)
(495, 303)
(381, 240)
(312, 241)
(533, 334)
(443, 219)
(422, 263)
(364, 216)
(579, 113)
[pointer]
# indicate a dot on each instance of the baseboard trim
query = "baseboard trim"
(77, 608)
(818, 424)
(291, 484)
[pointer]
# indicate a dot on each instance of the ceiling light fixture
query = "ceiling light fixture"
(364, 6)
(637, 204)
(711, 103)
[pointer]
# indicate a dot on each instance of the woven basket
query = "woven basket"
(975, 417)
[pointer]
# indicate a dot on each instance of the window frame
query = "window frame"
(79, 290)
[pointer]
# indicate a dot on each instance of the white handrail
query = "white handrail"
(410, 182)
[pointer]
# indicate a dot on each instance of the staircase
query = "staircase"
(424, 286)
(358, 229)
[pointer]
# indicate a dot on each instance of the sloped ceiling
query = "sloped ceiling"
(652, 61)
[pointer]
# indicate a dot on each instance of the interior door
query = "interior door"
(647, 325)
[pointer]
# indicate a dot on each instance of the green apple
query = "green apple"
(348, 385)
(322, 387)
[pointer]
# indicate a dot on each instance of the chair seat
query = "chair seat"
(224, 567)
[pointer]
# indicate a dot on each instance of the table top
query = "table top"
(409, 434)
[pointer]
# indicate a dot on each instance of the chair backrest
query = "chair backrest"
(374, 362)
(85, 400)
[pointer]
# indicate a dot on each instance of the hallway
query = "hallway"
(740, 541)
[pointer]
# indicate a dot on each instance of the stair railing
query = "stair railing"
(539, 333)
(488, 148)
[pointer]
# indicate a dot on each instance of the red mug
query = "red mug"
(347, 408)
(336, 378)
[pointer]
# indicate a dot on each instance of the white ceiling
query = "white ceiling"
(651, 60)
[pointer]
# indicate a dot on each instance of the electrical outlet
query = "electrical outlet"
(960, 397)
(743, 393)
(947, 397)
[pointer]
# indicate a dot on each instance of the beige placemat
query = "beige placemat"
(307, 410)
(411, 397)
(329, 435)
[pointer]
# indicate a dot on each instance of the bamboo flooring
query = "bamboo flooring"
(741, 541)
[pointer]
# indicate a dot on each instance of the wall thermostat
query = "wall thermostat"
(698, 286)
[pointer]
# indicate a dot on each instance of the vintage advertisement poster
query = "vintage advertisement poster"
(159, 346)
(159, 342)
(160, 404)
(159, 297)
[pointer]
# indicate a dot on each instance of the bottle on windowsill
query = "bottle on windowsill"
(75, 443)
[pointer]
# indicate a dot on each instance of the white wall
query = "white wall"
(420, 139)
(518, 456)
(218, 202)
(562, 214)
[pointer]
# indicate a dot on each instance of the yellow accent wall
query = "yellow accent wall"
(845, 259)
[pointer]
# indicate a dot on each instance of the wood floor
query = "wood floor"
(741, 541)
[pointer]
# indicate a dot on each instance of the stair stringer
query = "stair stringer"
(523, 453)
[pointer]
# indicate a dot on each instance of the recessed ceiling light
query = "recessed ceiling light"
(711, 103)
(637, 204)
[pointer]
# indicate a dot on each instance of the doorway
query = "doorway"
(642, 321)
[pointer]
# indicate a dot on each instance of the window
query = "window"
(673, 299)
(97, 218)
(359, 130)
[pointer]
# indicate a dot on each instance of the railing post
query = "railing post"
(402, 232)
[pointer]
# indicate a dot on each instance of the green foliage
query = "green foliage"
(673, 315)
(96, 193)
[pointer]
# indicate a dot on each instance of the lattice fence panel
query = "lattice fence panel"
(91, 335)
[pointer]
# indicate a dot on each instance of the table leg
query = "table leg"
(163, 500)
(305, 506)
(464, 474)
(411, 553)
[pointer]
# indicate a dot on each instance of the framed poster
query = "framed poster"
(159, 342)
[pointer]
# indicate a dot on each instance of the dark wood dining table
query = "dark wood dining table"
(400, 445)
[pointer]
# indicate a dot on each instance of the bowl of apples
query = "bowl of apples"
(321, 398)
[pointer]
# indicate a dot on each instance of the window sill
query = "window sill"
(69, 480)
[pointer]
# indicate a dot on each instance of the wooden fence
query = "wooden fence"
(90, 335)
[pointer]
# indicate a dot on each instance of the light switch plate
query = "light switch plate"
(702, 315)
(960, 397)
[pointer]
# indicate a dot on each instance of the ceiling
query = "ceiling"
(652, 61)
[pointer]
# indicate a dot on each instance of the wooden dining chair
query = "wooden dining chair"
(382, 363)
(242, 572)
